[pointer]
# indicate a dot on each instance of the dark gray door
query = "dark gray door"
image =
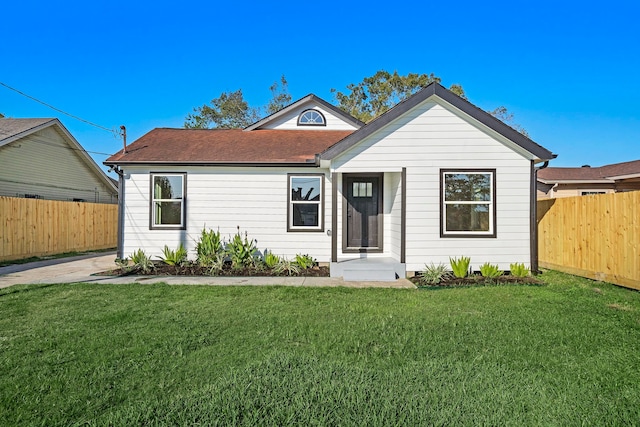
(363, 212)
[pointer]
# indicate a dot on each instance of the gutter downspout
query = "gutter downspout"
(120, 248)
(533, 222)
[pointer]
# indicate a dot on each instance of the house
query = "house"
(434, 177)
(567, 182)
(42, 160)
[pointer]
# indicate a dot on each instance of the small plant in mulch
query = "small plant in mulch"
(215, 256)
(438, 276)
(473, 279)
(519, 270)
(460, 266)
(434, 274)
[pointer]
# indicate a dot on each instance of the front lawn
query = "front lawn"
(566, 353)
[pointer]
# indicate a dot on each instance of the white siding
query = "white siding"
(290, 120)
(254, 199)
(44, 164)
(432, 137)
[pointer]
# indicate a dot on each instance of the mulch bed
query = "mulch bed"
(196, 270)
(478, 280)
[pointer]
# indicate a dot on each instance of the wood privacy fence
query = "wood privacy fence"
(592, 236)
(33, 227)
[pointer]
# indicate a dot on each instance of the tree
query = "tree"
(280, 96)
(231, 111)
(377, 94)
(228, 111)
(501, 113)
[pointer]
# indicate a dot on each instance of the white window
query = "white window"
(468, 203)
(311, 118)
(167, 200)
(305, 203)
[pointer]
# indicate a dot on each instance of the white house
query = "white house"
(434, 177)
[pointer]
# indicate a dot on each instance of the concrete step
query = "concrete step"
(378, 269)
(369, 272)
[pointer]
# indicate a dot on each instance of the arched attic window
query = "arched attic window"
(311, 118)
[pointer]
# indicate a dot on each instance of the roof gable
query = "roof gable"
(15, 129)
(437, 90)
(336, 118)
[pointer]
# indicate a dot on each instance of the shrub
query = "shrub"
(519, 270)
(460, 266)
(209, 249)
(142, 261)
(433, 274)
(304, 261)
(286, 266)
(122, 263)
(490, 270)
(241, 250)
(177, 257)
(216, 266)
(271, 259)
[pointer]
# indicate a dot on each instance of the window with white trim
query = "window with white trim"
(305, 202)
(167, 200)
(468, 203)
(311, 118)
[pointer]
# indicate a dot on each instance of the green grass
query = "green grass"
(562, 354)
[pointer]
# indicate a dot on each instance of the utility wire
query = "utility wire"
(113, 131)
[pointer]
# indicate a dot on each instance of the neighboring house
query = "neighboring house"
(42, 160)
(434, 177)
(567, 182)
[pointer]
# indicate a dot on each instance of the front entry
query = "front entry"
(362, 213)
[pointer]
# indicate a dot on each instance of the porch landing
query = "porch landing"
(368, 269)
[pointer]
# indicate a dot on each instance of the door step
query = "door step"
(368, 270)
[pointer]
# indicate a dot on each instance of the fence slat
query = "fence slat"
(594, 236)
(32, 227)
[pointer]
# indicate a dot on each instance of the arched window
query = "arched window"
(311, 118)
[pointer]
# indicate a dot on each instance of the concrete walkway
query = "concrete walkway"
(81, 268)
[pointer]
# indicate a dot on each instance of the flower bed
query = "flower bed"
(161, 269)
(475, 280)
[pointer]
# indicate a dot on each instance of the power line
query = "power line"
(113, 131)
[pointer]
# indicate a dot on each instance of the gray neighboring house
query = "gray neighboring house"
(40, 159)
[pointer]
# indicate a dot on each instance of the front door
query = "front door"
(363, 213)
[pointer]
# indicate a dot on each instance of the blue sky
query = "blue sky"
(568, 71)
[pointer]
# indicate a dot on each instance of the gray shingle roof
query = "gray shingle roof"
(10, 128)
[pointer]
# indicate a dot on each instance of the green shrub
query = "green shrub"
(271, 259)
(433, 274)
(519, 270)
(142, 261)
(122, 263)
(460, 266)
(241, 250)
(209, 248)
(490, 270)
(177, 257)
(304, 261)
(216, 266)
(286, 266)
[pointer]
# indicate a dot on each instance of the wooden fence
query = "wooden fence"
(592, 236)
(33, 227)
